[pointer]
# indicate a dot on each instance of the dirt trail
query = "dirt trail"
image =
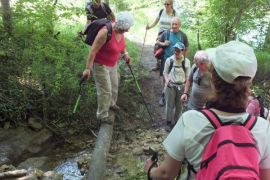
(151, 85)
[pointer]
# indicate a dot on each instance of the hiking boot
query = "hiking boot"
(106, 120)
(115, 108)
(168, 126)
(156, 68)
(162, 101)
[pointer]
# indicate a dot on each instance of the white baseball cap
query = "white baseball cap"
(232, 60)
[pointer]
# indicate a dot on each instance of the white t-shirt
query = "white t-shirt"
(193, 131)
(177, 74)
(165, 21)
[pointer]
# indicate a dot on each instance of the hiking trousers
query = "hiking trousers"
(106, 80)
(174, 106)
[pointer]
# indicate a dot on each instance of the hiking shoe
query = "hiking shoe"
(162, 101)
(115, 108)
(106, 120)
(155, 69)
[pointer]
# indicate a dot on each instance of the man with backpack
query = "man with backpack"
(199, 79)
(97, 10)
(168, 39)
(175, 72)
(223, 142)
(102, 61)
(164, 18)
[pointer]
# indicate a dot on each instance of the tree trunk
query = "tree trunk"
(97, 165)
(6, 16)
(266, 44)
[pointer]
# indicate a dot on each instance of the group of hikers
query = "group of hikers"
(216, 138)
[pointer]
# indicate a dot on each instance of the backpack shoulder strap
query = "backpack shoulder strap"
(183, 64)
(104, 8)
(194, 70)
(250, 122)
(174, 12)
(160, 12)
(168, 34)
(109, 27)
(212, 117)
(171, 64)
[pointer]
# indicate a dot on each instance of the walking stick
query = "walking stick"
(79, 97)
(143, 45)
(140, 92)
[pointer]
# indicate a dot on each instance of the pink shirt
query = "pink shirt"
(110, 52)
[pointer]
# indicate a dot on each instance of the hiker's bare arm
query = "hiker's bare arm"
(264, 174)
(168, 169)
(166, 78)
(165, 43)
(99, 41)
(184, 97)
(152, 25)
(126, 57)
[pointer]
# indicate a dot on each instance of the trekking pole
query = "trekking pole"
(154, 158)
(143, 45)
(79, 97)
(140, 92)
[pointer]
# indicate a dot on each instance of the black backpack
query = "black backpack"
(93, 28)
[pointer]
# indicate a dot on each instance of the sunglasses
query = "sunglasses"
(167, 4)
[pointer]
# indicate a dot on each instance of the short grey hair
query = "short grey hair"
(124, 20)
(202, 57)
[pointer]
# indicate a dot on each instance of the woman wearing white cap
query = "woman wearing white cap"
(234, 67)
(102, 60)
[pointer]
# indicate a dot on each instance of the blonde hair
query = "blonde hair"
(169, 1)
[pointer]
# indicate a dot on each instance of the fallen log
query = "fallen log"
(97, 165)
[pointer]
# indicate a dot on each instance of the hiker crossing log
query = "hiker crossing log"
(97, 165)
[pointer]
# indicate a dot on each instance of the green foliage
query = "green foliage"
(263, 72)
(227, 19)
(42, 63)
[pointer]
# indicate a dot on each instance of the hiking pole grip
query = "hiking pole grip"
(154, 158)
(82, 80)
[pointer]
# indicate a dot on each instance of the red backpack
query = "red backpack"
(231, 153)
